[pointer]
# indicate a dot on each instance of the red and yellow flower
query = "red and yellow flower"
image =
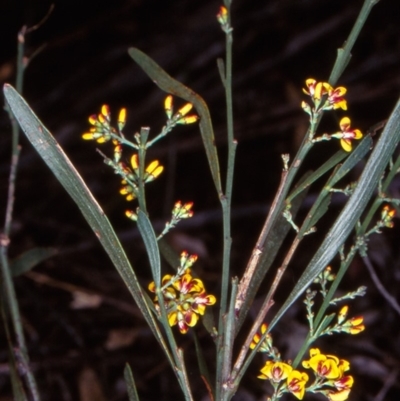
(323, 365)
(324, 96)
(266, 345)
(185, 299)
(222, 16)
(354, 325)
(347, 134)
(101, 130)
(275, 371)
(181, 116)
(296, 383)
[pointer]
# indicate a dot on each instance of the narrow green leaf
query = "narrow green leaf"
(29, 259)
(16, 383)
(328, 165)
(321, 205)
(150, 242)
(324, 324)
(130, 384)
(316, 213)
(62, 168)
(352, 211)
(172, 258)
(352, 159)
(172, 86)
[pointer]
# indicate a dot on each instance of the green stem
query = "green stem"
(226, 391)
(226, 200)
(344, 54)
(21, 354)
(144, 132)
(227, 197)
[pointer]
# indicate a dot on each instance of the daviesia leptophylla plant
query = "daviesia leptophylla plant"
(175, 300)
(181, 298)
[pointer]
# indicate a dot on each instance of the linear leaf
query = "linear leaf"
(316, 213)
(328, 165)
(130, 384)
(150, 242)
(174, 87)
(29, 259)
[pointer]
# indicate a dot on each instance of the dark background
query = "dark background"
(80, 353)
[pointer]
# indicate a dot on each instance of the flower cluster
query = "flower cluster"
(130, 188)
(330, 377)
(325, 97)
(134, 174)
(266, 345)
(223, 19)
(329, 371)
(185, 298)
(284, 378)
(101, 130)
(179, 212)
(353, 325)
(387, 216)
(180, 116)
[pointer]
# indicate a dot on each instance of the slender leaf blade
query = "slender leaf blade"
(328, 165)
(174, 87)
(29, 259)
(150, 242)
(323, 206)
(130, 384)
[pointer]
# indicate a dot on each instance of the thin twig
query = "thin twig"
(20, 352)
(257, 251)
(380, 287)
(268, 302)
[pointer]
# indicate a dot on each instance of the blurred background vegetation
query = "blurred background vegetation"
(81, 323)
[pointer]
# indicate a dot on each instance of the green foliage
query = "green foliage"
(180, 298)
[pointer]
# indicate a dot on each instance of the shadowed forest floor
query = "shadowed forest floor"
(81, 323)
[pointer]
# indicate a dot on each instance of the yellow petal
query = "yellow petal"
(135, 161)
(185, 109)
(346, 145)
(122, 116)
(188, 120)
(87, 136)
(105, 110)
(168, 106)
